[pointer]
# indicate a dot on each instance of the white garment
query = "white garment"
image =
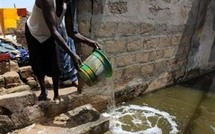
(37, 24)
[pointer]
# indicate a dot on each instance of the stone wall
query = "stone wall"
(150, 42)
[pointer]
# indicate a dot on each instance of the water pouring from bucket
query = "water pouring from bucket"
(95, 68)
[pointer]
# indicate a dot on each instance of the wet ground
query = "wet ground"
(188, 108)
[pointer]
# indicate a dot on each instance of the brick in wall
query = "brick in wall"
(150, 43)
(142, 57)
(176, 39)
(125, 59)
(165, 41)
(147, 69)
(117, 7)
(131, 72)
(126, 28)
(169, 52)
(134, 44)
(144, 28)
(107, 29)
(115, 46)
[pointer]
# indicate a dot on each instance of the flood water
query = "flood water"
(187, 108)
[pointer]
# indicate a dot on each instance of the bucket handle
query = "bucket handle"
(97, 48)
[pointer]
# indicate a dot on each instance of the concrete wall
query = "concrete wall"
(202, 45)
(150, 42)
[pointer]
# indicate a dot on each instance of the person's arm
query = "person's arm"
(69, 22)
(80, 38)
(50, 18)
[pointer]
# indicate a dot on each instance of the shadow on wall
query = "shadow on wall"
(212, 56)
(197, 45)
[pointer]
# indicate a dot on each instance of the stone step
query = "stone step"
(100, 126)
(21, 109)
(82, 120)
(87, 121)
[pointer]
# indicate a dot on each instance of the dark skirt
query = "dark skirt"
(42, 56)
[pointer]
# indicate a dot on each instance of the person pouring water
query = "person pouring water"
(43, 35)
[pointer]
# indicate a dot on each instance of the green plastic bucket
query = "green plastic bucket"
(95, 67)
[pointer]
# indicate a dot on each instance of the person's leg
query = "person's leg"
(77, 81)
(51, 64)
(44, 93)
(55, 86)
(80, 84)
(36, 61)
(80, 80)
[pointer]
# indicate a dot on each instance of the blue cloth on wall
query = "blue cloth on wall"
(5, 47)
(19, 52)
(23, 54)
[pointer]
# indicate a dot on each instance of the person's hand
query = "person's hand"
(95, 45)
(77, 61)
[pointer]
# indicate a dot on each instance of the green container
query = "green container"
(95, 68)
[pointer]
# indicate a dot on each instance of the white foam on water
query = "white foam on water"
(142, 111)
(137, 121)
(213, 128)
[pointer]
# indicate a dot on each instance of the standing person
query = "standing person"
(42, 36)
(69, 75)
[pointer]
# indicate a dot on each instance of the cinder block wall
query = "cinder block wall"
(150, 42)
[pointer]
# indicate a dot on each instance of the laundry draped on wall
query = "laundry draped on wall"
(15, 52)
(9, 17)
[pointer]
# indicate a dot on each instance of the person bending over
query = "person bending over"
(42, 36)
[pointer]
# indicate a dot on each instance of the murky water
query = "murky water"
(181, 109)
